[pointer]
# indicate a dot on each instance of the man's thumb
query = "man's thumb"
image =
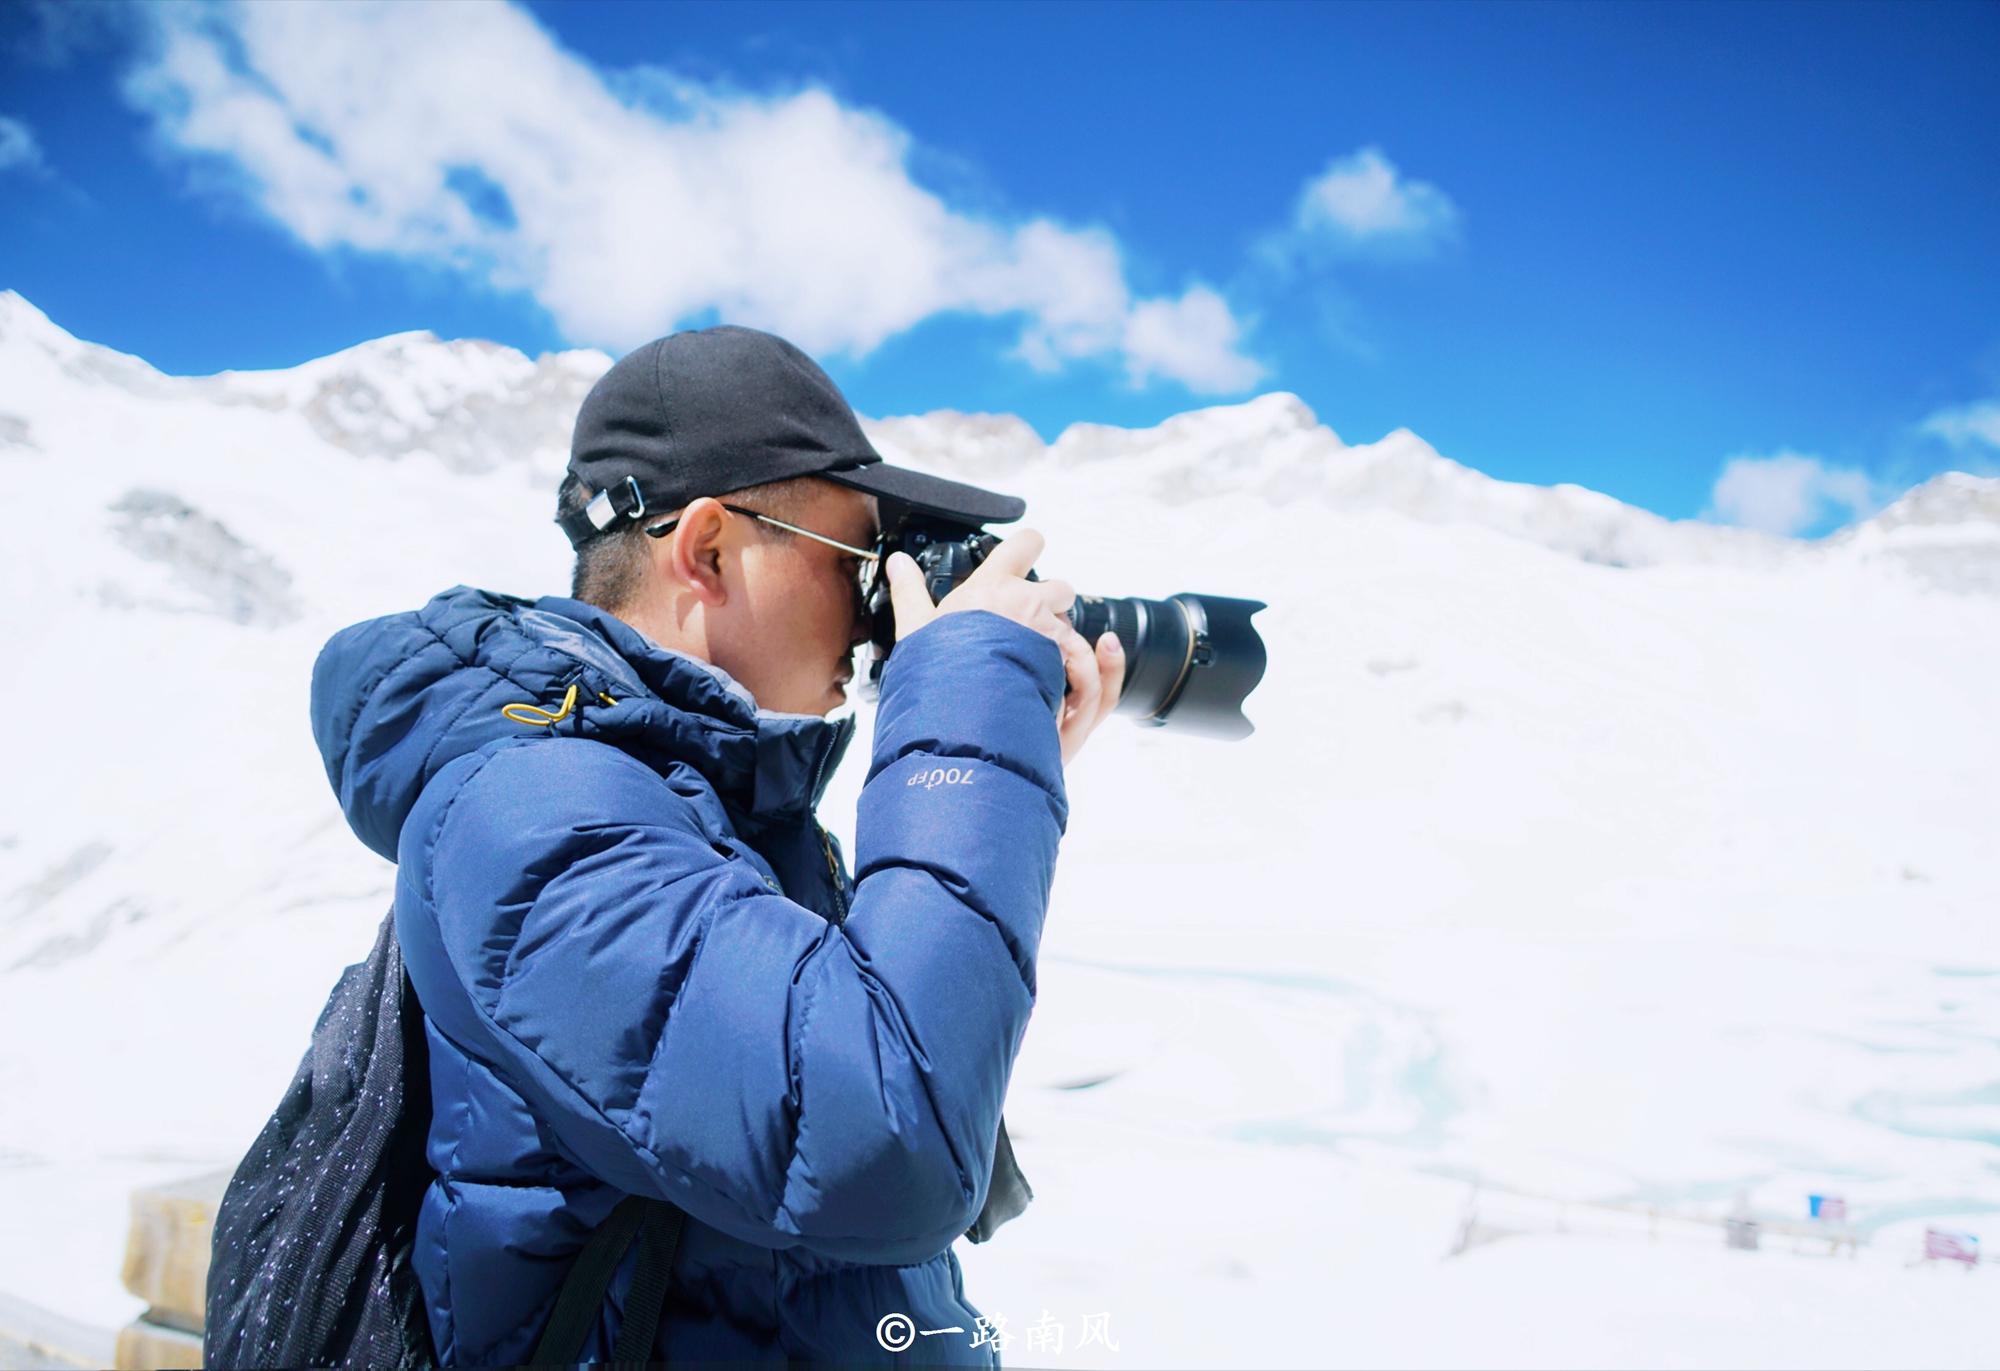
(907, 594)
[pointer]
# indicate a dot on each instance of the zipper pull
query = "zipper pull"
(833, 869)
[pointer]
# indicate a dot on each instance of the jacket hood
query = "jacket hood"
(396, 699)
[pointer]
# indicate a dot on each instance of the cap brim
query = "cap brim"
(930, 494)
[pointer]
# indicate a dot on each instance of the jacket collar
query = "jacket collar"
(766, 764)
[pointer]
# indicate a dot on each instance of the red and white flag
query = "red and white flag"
(1943, 1245)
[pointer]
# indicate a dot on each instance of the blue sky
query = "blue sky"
(1733, 259)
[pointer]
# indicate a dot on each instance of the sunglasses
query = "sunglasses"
(869, 558)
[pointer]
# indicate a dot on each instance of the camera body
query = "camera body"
(1190, 660)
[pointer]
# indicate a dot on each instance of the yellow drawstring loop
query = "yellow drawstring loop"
(529, 714)
(537, 718)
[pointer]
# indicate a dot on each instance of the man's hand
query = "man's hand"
(1095, 678)
(1000, 584)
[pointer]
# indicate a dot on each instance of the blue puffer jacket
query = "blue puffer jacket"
(644, 970)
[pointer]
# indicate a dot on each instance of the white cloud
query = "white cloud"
(18, 148)
(1789, 492)
(1192, 337)
(461, 135)
(1974, 425)
(1362, 201)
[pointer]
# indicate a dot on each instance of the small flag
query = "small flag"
(1943, 1245)
(1828, 1208)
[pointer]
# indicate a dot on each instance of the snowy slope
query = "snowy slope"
(1605, 858)
(1946, 533)
(1273, 447)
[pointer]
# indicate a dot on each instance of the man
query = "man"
(643, 967)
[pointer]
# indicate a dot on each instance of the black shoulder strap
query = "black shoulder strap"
(646, 1301)
(583, 1291)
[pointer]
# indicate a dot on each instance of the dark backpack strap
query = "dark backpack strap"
(657, 1225)
(582, 1293)
(646, 1301)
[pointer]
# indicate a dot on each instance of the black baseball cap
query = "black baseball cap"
(714, 410)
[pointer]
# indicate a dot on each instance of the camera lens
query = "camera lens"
(1190, 659)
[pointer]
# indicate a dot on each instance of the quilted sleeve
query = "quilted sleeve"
(687, 1032)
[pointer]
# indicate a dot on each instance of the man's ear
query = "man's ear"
(693, 551)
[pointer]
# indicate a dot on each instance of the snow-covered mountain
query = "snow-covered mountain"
(1274, 447)
(1599, 856)
(1945, 532)
(475, 407)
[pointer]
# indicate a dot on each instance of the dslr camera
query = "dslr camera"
(1190, 660)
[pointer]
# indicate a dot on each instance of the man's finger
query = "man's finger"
(907, 596)
(1013, 557)
(1080, 665)
(1057, 595)
(1111, 666)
